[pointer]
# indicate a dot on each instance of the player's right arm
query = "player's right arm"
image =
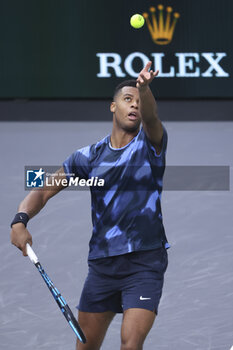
(31, 205)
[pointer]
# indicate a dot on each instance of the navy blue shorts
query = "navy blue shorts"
(133, 280)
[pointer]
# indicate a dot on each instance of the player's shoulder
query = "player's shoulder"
(97, 148)
(92, 149)
(102, 143)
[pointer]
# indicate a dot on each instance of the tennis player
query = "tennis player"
(127, 258)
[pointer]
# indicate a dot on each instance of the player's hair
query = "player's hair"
(131, 82)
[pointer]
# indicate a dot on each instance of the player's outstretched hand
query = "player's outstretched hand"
(20, 236)
(146, 76)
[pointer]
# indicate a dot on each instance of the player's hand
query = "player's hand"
(20, 236)
(145, 77)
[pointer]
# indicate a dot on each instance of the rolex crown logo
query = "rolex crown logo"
(161, 27)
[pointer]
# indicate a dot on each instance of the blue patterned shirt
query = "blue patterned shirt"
(126, 213)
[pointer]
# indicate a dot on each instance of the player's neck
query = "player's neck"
(120, 138)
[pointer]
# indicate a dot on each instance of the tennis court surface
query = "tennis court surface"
(196, 308)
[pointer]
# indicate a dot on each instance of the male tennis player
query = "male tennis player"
(127, 258)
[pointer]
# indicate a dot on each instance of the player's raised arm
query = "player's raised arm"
(29, 207)
(148, 107)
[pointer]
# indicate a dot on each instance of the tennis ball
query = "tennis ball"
(137, 21)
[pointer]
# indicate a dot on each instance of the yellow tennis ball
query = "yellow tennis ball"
(137, 21)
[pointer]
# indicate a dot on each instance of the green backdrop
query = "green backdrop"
(55, 48)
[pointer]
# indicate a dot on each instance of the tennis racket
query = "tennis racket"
(57, 296)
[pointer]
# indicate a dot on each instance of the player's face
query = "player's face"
(125, 108)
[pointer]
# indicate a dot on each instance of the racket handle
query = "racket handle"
(32, 256)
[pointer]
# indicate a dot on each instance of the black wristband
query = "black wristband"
(20, 217)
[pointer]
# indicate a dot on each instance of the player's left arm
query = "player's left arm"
(148, 107)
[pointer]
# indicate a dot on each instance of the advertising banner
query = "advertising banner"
(83, 49)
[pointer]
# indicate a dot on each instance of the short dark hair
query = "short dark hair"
(131, 82)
